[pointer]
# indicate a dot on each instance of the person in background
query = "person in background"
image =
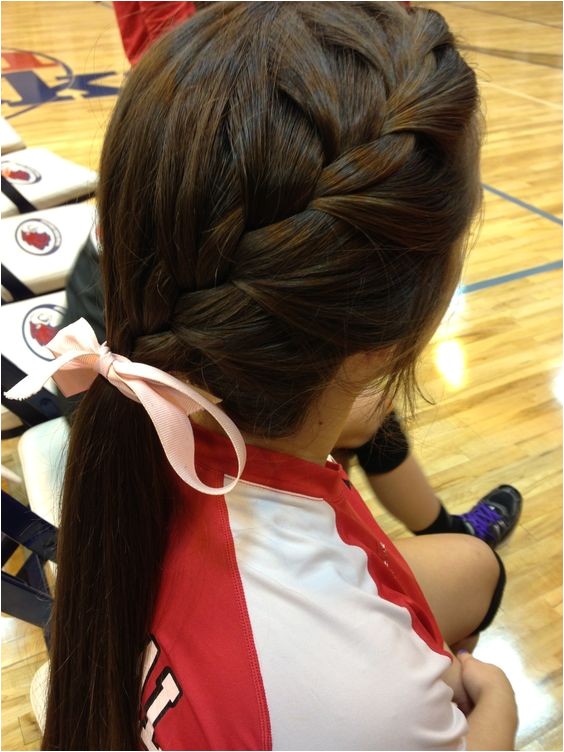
(140, 24)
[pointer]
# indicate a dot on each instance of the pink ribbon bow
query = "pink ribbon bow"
(79, 357)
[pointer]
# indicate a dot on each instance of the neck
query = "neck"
(317, 436)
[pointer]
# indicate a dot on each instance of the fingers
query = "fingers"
(464, 655)
(468, 643)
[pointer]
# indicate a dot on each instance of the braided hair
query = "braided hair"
(305, 180)
(282, 185)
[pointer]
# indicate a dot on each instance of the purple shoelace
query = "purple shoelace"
(482, 517)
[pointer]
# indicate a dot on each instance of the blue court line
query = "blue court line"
(524, 204)
(551, 266)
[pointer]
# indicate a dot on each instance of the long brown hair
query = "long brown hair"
(282, 185)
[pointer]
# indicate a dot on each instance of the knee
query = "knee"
(485, 563)
(386, 450)
(490, 579)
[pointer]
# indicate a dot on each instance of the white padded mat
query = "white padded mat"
(45, 179)
(43, 452)
(27, 326)
(40, 248)
(38, 694)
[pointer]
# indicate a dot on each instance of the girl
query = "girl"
(285, 190)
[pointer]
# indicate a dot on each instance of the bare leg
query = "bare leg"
(458, 575)
(405, 491)
(407, 494)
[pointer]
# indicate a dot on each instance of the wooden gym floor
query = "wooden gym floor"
(494, 369)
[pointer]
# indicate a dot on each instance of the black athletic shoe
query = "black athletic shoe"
(494, 516)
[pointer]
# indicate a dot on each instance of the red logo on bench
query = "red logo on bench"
(40, 325)
(38, 237)
(18, 173)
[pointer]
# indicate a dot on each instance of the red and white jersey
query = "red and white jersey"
(286, 619)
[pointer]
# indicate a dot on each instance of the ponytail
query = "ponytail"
(116, 510)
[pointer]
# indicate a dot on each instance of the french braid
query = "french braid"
(335, 174)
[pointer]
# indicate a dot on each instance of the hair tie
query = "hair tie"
(105, 360)
(79, 358)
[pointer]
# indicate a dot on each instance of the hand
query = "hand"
(453, 677)
(481, 679)
(492, 724)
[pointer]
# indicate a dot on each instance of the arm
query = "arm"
(492, 724)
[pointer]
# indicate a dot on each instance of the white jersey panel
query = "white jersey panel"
(342, 667)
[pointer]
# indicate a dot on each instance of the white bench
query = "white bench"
(27, 326)
(40, 248)
(45, 179)
(38, 694)
(42, 451)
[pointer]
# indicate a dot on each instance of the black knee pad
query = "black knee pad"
(386, 450)
(496, 598)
